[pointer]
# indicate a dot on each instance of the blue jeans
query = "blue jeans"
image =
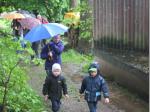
(55, 105)
(92, 106)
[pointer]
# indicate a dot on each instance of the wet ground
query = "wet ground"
(120, 101)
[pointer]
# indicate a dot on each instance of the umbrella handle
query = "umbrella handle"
(49, 49)
(50, 58)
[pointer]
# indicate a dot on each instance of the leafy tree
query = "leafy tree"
(83, 26)
(15, 95)
(56, 9)
(86, 20)
(53, 9)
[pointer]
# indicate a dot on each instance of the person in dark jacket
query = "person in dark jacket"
(35, 47)
(92, 86)
(53, 87)
(15, 26)
(52, 53)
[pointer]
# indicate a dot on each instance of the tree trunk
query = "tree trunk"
(4, 99)
(74, 3)
(73, 33)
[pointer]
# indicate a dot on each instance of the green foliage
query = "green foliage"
(86, 20)
(77, 58)
(70, 21)
(5, 28)
(53, 9)
(38, 61)
(5, 24)
(72, 56)
(20, 97)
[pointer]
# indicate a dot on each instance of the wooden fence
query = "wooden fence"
(121, 24)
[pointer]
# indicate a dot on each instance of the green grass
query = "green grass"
(73, 56)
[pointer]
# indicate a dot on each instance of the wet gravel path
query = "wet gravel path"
(119, 101)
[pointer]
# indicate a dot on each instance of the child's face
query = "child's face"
(93, 73)
(56, 72)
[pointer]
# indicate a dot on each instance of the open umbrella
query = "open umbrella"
(45, 31)
(28, 16)
(13, 15)
(72, 15)
(72, 18)
(29, 23)
(23, 11)
(26, 13)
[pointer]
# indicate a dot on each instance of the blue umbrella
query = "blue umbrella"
(45, 31)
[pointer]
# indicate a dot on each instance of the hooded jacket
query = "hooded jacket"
(54, 86)
(56, 49)
(93, 86)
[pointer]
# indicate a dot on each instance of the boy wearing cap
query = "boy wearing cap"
(52, 53)
(95, 64)
(92, 86)
(53, 87)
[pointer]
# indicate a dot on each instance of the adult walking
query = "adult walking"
(52, 53)
(35, 47)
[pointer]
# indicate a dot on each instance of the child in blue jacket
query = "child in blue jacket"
(92, 86)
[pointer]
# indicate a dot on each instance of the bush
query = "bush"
(16, 94)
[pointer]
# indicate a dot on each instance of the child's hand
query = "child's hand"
(81, 96)
(106, 100)
(46, 97)
(66, 95)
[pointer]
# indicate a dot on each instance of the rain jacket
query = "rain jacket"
(56, 49)
(92, 87)
(54, 86)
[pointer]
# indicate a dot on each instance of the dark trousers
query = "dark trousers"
(55, 105)
(92, 106)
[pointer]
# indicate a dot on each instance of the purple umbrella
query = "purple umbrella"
(29, 23)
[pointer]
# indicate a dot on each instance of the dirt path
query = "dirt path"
(120, 102)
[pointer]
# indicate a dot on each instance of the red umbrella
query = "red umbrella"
(29, 22)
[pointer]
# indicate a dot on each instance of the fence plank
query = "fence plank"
(121, 24)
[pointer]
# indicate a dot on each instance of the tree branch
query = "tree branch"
(3, 71)
(7, 81)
